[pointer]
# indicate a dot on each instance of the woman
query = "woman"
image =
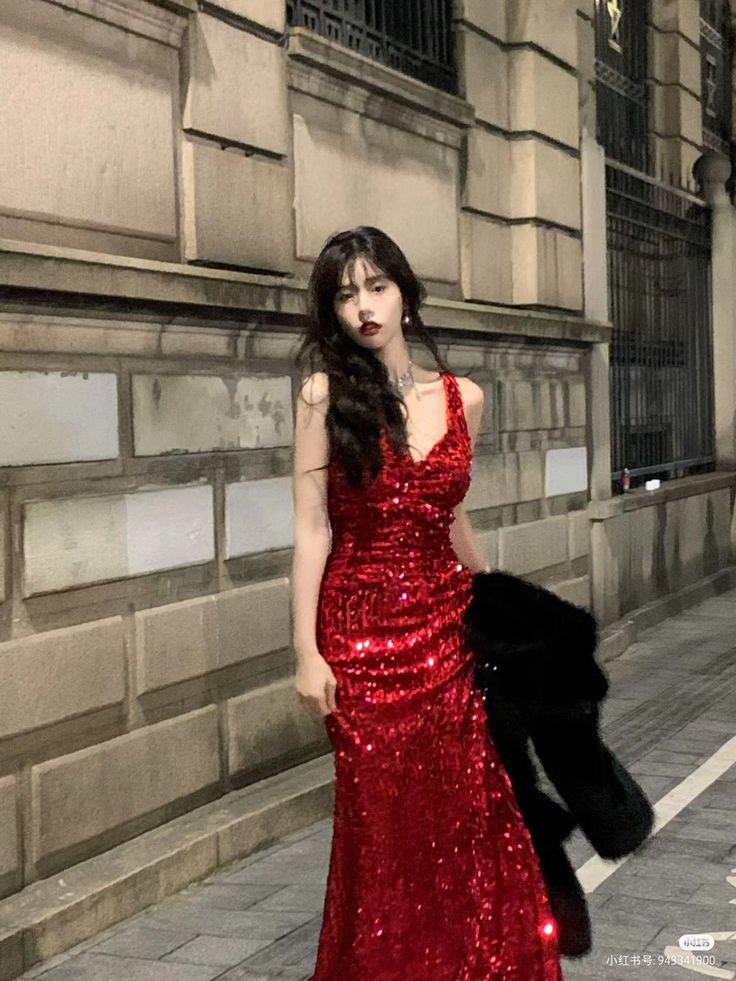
(432, 873)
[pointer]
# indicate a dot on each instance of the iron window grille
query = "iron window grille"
(716, 45)
(414, 37)
(621, 80)
(662, 414)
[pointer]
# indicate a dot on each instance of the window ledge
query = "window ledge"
(336, 74)
(671, 490)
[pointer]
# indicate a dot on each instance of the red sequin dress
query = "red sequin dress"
(432, 873)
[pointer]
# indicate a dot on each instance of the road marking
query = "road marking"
(596, 870)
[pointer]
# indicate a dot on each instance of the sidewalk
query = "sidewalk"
(672, 707)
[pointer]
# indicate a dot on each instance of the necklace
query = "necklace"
(404, 381)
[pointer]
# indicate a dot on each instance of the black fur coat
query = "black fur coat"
(541, 683)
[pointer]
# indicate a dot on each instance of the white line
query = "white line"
(596, 870)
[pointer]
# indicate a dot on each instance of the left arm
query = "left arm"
(462, 535)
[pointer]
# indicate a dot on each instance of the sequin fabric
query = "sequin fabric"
(432, 873)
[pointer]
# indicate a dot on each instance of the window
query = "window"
(414, 37)
(621, 70)
(715, 61)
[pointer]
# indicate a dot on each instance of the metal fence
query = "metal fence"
(662, 415)
(414, 36)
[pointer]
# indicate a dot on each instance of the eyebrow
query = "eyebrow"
(368, 279)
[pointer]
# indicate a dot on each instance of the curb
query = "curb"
(54, 914)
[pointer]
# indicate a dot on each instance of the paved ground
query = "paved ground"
(673, 706)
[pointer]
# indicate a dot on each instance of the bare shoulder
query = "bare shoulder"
(315, 389)
(471, 392)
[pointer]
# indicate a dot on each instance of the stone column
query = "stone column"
(713, 170)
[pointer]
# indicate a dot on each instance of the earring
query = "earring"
(406, 320)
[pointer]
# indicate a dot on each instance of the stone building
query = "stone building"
(557, 172)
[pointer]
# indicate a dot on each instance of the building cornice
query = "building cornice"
(163, 21)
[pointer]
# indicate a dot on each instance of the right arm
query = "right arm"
(314, 679)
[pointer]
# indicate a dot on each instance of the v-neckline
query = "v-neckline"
(443, 437)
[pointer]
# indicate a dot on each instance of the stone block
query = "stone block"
(576, 402)
(259, 516)
(243, 412)
(99, 790)
(252, 621)
(485, 70)
(543, 97)
(487, 182)
(518, 405)
(575, 591)
(548, 24)
(142, 532)
(640, 584)
(378, 174)
(505, 478)
(4, 565)
(606, 568)
(578, 538)
(189, 639)
(57, 417)
(586, 50)
(267, 13)
(488, 546)
(566, 471)
(675, 61)
(547, 267)
(9, 832)
(681, 16)
(533, 546)
(268, 725)
(237, 86)
(719, 551)
(489, 17)
(88, 92)
(175, 642)
(58, 675)
(486, 259)
(545, 183)
(237, 208)
(677, 112)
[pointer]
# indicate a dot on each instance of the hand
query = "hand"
(316, 684)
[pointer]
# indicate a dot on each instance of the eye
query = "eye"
(379, 286)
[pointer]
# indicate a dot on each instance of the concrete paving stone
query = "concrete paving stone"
(660, 912)
(623, 931)
(687, 849)
(141, 942)
(282, 872)
(215, 951)
(672, 931)
(104, 967)
(642, 768)
(653, 886)
(297, 949)
(306, 896)
(661, 755)
(267, 925)
(230, 895)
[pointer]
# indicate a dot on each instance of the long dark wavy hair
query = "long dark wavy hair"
(362, 402)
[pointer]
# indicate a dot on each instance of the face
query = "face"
(370, 298)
